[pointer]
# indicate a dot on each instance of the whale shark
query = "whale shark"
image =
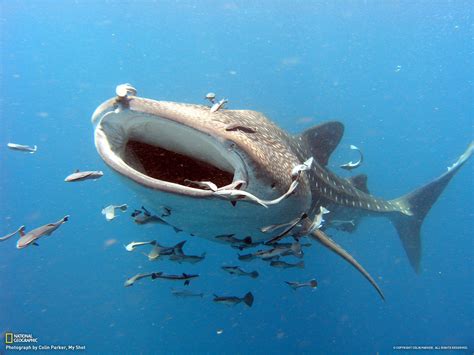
(235, 173)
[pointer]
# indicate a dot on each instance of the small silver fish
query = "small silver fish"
(218, 105)
(211, 97)
(8, 236)
(131, 246)
(285, 265)
(22, 148)
(236, 270)
(84, 175)
(32, 236)
(296, 285)
(135, 278)
(352, 165)
(232, 300)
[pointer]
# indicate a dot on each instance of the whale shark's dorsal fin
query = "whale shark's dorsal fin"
(360, 182)
(323, 139)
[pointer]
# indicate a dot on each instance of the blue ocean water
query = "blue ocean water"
(398, 74)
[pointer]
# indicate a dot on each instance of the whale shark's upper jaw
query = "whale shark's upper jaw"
(164, 146)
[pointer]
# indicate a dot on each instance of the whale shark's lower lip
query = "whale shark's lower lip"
(163, 154)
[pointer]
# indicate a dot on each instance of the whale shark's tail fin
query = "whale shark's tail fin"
(415, 205)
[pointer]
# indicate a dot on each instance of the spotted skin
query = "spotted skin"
(274, 153)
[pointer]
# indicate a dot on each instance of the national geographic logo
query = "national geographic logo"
(11, 338)
(27, 342)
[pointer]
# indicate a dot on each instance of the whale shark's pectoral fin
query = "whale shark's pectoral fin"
(324, 239)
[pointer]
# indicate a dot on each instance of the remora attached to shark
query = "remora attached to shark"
(160, 147)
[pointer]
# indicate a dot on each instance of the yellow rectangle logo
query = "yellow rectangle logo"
(8, 338)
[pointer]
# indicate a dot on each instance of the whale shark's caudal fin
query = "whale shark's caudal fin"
(416, 205)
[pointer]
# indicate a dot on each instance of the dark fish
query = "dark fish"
(147, 218)
(32, 236)
(136, 213)
(192, 259)
(285, 265)
(296, 285)
(186, 277)
(294, 249)
(288, 245)
(246, 257)
(186, 294)
(159, 251)
(236, 270)
(232, 300)
(237, 243)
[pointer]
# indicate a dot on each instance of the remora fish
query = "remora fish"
(32, 236)
(236, 243)
(285, 265)
(146, 217)
(156, 146)
(192, 259)
(352, 165)
(186, 294)
(232, 300)
(159, 250)
(135, 278)
(296, 285)
(235, 270)
(22, 148)
(131, 246)
(294, 249)
(84, 175)
(186, 277)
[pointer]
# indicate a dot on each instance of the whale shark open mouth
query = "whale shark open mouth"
(161, 153)
(168, 165)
